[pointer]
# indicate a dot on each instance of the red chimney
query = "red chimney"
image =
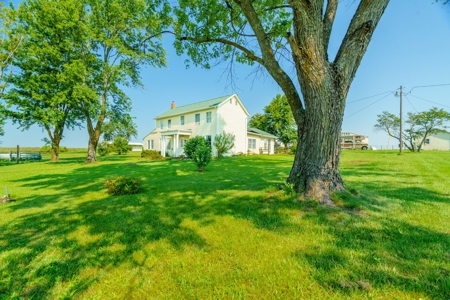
(173, 105)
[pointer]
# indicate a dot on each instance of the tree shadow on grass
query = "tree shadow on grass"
(102, 232)
(59, 238)
(378, 252)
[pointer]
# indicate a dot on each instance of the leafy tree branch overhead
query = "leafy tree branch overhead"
(278, 35)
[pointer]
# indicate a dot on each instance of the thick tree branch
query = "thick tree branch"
(269, 60)
(357, 38)
(328, 20)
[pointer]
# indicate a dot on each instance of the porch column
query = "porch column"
(175, 144)
(163, 146)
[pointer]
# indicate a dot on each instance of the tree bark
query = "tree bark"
(315, 171)
(55, 139)
(94, 136)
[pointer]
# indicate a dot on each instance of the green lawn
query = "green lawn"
(229, 232)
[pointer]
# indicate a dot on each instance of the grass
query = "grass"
(230, 232)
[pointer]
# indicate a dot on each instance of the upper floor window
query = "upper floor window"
(161, 124)
(182, 120)
(169, 123)
(197, 118)
(208, 117)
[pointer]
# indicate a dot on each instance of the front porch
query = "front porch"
(172, 142)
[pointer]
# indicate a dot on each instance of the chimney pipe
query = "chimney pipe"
(173, 105)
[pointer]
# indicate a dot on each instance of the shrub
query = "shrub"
(123, 185)
(202, 156)
(151, 154)
(194, 143)
(223, 142)
(45, 148)
(103, 148)
(121, 145)
(63, 149)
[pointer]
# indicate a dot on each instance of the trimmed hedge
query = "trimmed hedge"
(123, 185)
(151, 154)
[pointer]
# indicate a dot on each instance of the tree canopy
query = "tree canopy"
(42, 91)
(122, 38)
(277, 120)
(289, 39)
(120, 126)
(418, 127)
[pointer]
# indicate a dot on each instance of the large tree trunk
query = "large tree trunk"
(315, 171)
(55, 151)
(92, 150)
(55, 139)
(94, 136)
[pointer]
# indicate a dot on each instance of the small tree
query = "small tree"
(121, 145)
(277, 120)
(419, 126)
(202, 157)
(224, 142)
(193, 144)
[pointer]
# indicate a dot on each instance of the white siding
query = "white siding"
(440, 141)
(260, 140)
(233, 119)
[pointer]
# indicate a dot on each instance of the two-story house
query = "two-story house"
(208, 119)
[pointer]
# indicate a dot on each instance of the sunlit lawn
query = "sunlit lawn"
(229, 232)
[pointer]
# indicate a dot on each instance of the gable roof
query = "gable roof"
(260, 132)
(212, 103)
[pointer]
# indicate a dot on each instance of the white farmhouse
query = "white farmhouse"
(438, 141)
(208, 119)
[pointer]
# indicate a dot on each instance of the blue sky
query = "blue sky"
(410, 48)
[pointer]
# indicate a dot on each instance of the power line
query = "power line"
(426, 86)
(411, 103)
(369, 105)
(369, 97)
(430, 101)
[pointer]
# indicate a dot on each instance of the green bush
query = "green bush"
(121, 145)
(223, 142)
(202, 156)
(46, 148)
(194, 143)
(103, 148)
(151, 154)
(123, 185)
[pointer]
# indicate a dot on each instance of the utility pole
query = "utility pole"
(401, 117)
(401, 120)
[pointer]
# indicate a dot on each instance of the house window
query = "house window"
(266, 143)
(197, 118)
(182, 141)
(208, 117)
(169, 123)
(182, 120)
(235, 102)
(231, 101)
(427, 141)
(161, 124)
(208, 138)
(150, 145)
(251, 143)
